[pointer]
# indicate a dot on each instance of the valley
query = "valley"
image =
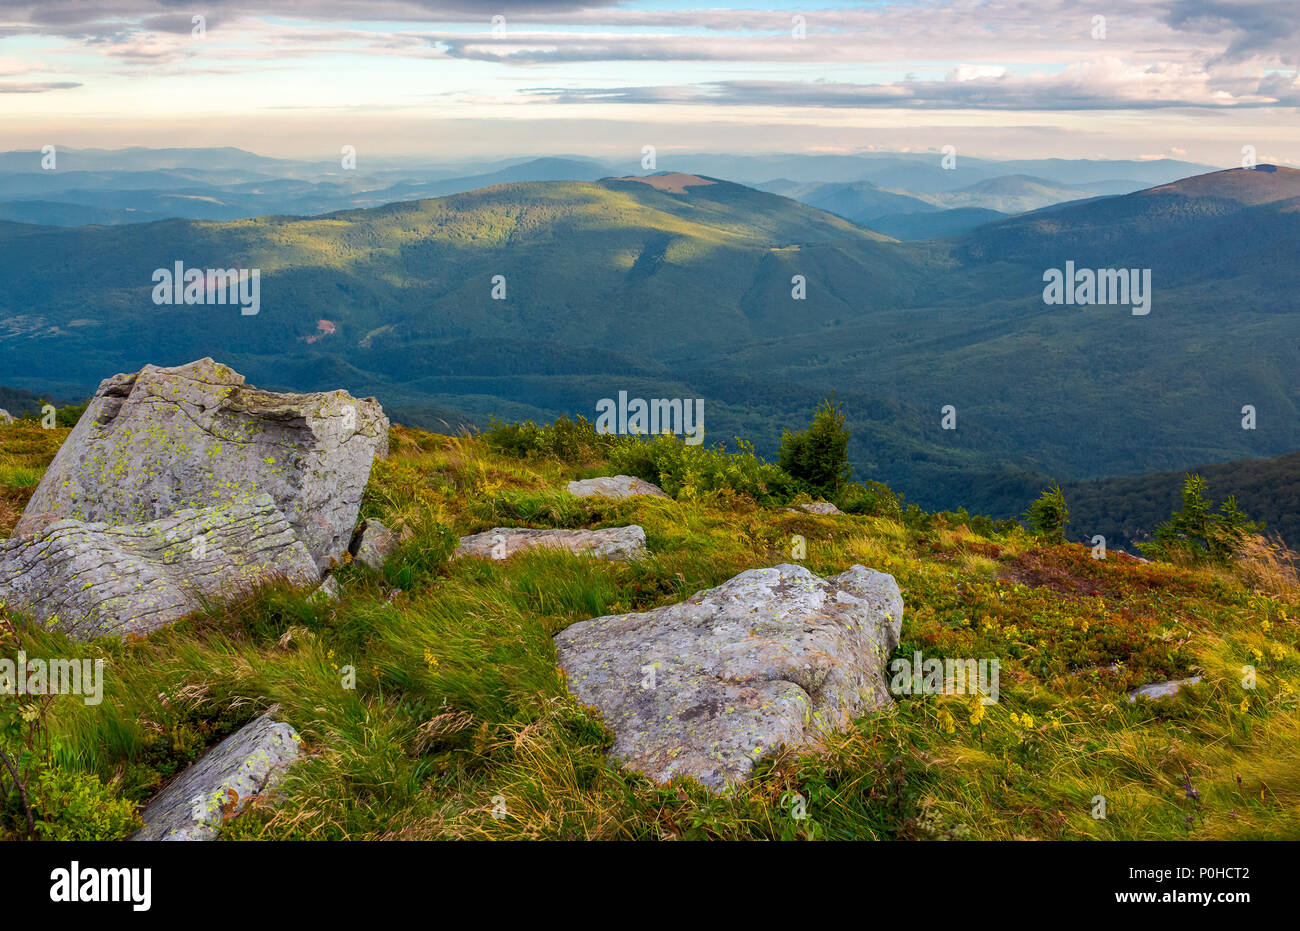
(685, 290)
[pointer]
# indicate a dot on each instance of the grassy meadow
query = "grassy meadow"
(460, 726)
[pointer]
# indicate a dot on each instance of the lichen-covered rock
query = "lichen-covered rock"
(614, 486)
(6, 418)
(248, 763)
(164, 439)
(503, 542)
(1157, 690)
(95, 579)
(706, 687)
(373, 544)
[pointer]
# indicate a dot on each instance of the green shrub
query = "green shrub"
(819, 456)
(564, 439)
(1048, 515)
(874, 499)
(72, 805)
(690, 471)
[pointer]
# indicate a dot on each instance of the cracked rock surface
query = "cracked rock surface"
(93, 579)
(166, 439)
(503, 542)
(248, 763)
(614, 486)
(707, 687)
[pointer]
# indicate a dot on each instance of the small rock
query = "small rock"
(1161, 689)
(503, 542)
(90, 580)
(706, 687)
(614, 486)
(372, 544)
(220, 784)
(329, 589)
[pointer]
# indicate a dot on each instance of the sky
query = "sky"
(1187, 79)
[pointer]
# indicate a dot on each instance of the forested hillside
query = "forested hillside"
(532, 300)
(1128, 509)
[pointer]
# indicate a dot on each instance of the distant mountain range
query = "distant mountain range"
(99, 186)
(672, 290)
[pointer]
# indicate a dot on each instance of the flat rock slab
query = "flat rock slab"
(1161, 689)
(95, 579)
(816, 507)
(614, 486)
(248, 763)
(503, 542)
(707, 687)
(166, 439)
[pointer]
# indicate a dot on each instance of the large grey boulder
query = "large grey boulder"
(6, 418)
(503, 542)
(614, 486)
(248, 763)
(707, 687)
(164, 439)
(92, 579)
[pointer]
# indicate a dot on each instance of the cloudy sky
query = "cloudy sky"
(1193, 79)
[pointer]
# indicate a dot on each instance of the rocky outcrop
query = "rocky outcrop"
(1157, 690)
(167, 439)
(373, 544)
(92, 579)
(6, 418)
(503, 542)
(614, 486)
(247, 764)
(706, 687)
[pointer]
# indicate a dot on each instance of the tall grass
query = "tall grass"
(460, 725)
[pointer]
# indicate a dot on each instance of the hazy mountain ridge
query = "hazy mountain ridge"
(140, 185)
